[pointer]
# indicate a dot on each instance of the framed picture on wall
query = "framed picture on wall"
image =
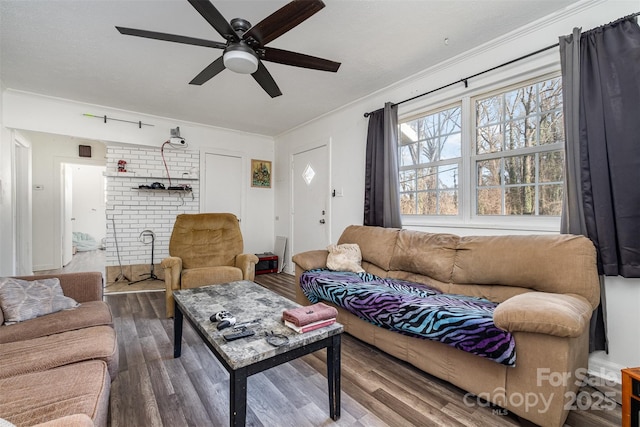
(260, 173)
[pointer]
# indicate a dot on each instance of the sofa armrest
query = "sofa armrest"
(247, 263)
(311, 260)
(561, 315)
(82, 287)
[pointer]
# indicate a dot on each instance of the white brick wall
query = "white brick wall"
(130, 211)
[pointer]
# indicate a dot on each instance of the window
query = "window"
(430, 153)
(519, 160)
(511, 163)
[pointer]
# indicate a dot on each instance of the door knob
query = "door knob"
(322, 221)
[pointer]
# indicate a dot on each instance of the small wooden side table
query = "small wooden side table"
(631, 397)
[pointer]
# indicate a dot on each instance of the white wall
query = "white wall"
(60, 117)
(347, 127)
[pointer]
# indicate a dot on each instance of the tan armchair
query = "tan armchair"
(205, 249)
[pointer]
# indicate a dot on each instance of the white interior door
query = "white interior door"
(223, 184)
(310, 216)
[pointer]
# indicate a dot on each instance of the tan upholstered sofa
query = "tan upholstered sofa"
(205, 249)
(546, 286)
(56, 369)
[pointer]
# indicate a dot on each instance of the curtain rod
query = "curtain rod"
(465, 80)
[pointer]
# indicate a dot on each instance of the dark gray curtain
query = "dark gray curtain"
(381, 192)
(601, 88)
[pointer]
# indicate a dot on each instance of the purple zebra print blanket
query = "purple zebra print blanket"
(460, 321)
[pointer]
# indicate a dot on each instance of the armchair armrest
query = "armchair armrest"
(247, 263)
(172, 269)
(311, 260)
(82, 287)
(561, 315)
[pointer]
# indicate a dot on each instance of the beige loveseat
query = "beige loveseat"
(56, 369)
(546, 286)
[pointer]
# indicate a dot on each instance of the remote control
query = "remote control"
(226, 323)
(237, 335)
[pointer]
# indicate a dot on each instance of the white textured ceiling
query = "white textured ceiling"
(71, 49)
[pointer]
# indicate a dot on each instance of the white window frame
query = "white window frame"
(467, 218)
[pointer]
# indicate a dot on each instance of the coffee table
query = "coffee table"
(247, 356)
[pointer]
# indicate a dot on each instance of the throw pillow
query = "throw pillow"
(27, 299)
(345, 257)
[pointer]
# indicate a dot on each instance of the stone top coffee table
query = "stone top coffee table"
(248, 301)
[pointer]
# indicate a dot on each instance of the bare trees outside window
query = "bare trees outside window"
(515, 154)
(518, 151)
(430, 152)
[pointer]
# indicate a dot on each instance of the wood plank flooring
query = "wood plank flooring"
(154, 389)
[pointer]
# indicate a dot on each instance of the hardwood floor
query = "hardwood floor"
(154, 389)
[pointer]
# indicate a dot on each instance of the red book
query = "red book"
(302, 316)
(310, 326)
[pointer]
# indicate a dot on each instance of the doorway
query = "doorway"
(84, 209)
(83, 205)
(52, 204)
(310, 216)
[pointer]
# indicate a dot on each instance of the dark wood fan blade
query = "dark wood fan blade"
(298, 59)
(170, 37)
(264, 79)
(205, 75)
(214, 18)
(281, 21)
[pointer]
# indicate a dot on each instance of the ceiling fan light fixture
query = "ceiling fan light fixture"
(240, 59)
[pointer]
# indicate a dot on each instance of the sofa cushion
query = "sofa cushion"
(39, 354)
(345, 257)
(376, 243)
(428, 254)
(38, 397)
(27, 299)
(563, 263)
(92, 313)
(196, 277)
(459, 321)
(544, 313)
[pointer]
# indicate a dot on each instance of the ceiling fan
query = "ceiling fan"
(245, 47)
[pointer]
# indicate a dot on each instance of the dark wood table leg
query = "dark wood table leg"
(333, 376)
(177, 331)
(238, 397)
